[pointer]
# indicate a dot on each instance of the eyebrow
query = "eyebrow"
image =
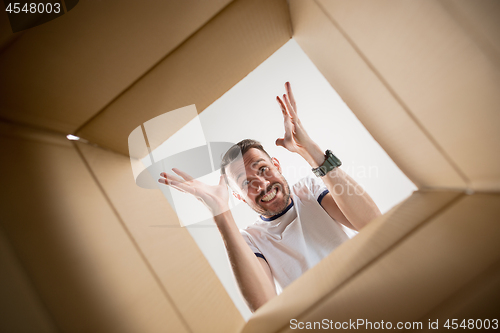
(253, 164)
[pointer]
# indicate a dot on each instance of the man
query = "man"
(298, 226)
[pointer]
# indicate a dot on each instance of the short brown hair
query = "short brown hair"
(238, 150)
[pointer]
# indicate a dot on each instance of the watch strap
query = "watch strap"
(331, 162)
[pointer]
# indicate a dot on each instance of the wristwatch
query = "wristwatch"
(331, 162)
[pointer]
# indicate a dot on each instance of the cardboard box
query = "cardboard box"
(423, 77)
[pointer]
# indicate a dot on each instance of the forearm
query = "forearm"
(354, 202)
(254, 284)
(254, 279)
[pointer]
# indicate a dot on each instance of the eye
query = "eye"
(245, 183)
(263, 169)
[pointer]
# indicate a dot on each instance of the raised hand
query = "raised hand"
(215, 197)
(296, 138)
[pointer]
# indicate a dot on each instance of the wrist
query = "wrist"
(313, 155)
(224, 219)
(331, 162)
(220, 209)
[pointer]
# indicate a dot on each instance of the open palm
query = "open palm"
(215, 197)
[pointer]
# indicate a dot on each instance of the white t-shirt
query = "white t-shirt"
(299, 237)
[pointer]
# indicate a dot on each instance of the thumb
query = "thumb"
(222, 180)
(280, 142)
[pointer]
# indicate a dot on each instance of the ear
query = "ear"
(237, 196)
(276, 163)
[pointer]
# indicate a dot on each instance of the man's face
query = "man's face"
(258, 182)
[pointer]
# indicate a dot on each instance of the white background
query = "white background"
(250, 110)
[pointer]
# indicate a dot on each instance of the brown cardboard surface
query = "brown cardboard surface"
(6, 34)
(71, 244)
(351, 258)
(432, 264)
(21, 307)
(477, 300)
(441, 69)
(170, 250)
(201, 70)
(59, 74)
(479, 21)
(146, 137)
(85, 249)
(366, 93)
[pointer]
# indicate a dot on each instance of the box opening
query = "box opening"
(250, 110)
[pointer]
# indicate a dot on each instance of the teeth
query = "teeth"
(270, 196)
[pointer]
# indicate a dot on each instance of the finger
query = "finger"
(182, 174)
(169, 183)
(289, 106)
(222, 180)
(171, 177)
(182, 187)
(293, 115)
(288, 88)
(284, 109)
(178, 188)
(282, 106)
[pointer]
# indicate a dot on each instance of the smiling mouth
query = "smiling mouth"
(270, 195)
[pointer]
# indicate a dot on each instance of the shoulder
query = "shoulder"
(248, 229)
(251, 242)
(309, 185)
(252, 230)
(247, 234)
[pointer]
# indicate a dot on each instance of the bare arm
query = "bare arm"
(330, 206)
(252, 274)
(350, 198)
(355, 205)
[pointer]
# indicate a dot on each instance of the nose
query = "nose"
(259, 184)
